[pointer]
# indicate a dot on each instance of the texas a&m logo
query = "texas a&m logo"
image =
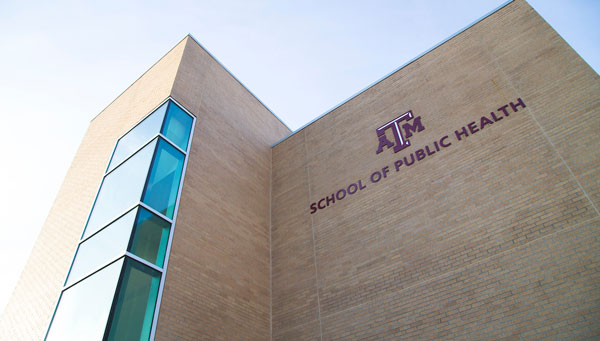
(401, 131)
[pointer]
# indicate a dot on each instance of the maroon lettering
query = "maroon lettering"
(462, 132)
(385, 170)
(319, 204)
(376, 176)
(352, 191)
(360, 185)
(484, 121)
(519, 103)
(503, 109)
(415, 127)
(443, 144)
(496, 119)
(330, 200)
(397, 164)
(473, 127)
(383, 142)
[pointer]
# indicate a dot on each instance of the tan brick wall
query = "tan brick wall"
(218, 281)
(494, 236)
(32, 304)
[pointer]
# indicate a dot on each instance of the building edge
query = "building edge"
(396, 70)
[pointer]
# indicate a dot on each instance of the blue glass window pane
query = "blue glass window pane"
(150, 237)
(83, 309)
(163, 182)
(177, 126)
(107, 244)
(120, 189)
(137, 136)
(136, 301)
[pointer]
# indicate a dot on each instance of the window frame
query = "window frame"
(172, 221)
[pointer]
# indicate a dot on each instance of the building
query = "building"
(455, 198)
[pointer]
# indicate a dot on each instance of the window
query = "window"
(150, 237)
(136, 137)
(135, 302)
(107, 244)
(177, 126)
(74, 320)
(162, 188)
(121, 189)
(118, 270)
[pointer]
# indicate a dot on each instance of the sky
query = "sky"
(63, 62)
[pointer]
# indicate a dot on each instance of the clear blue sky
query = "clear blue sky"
(62, 62)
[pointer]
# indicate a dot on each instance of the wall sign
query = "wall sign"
(402, 129)
(401, 136)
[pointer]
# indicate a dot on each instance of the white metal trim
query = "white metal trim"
(100, 267)
(130, 129)
(172, 143)
(172, 222)
(155, 212)
(110, 170)
(182, 107)
(172, 232)
(394, 71)
(154, 137)
(132, 207)
(143, 261)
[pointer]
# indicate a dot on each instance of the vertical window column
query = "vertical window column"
(117, 274)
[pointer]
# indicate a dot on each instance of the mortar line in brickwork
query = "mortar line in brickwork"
(561, 158)
(312, 229)
(449, 273)
(270, 246)
(529, 111)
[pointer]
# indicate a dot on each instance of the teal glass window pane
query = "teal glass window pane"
(137, 136)
(84, 309)
(163, 182)
(136, 300)
(107, 244)
(150, 237)
(121, 189)
(178, 125)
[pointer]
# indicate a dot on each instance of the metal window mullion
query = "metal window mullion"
(168, 250)
(132, 154)
(102, 266)
(172, 144)
(162, 124)
(160, 215)
(159, 133)
(145, 117)
(143, 261)
(145, 188)
(172, 230)
(129, 209)
(183, 108)
(102, 182)
(113, 304)
(134, 126)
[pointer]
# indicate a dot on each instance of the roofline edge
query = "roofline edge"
(396, 70)
(242, 84)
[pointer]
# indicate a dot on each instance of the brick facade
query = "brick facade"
(486, 226)
(493, 236)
